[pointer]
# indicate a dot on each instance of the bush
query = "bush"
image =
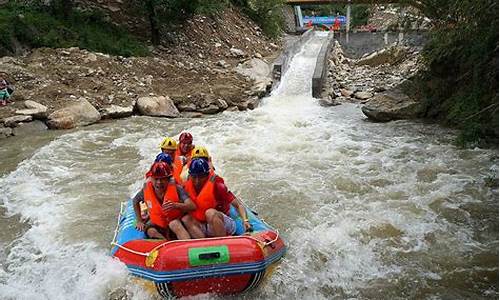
(266, 13)
(462, 60)
(36, 27)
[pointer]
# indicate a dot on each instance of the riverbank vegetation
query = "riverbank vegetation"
(460, 82)
(61, 23)
(57, 26)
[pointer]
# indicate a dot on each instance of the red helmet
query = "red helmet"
(186, 138)
(160, 170)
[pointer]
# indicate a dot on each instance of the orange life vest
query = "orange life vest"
(178, 166)
(204, 200)
(157, 215)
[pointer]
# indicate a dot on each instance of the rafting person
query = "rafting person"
(169, 146)
(197, 152)
(213, 201)
(166, 202)
(182, 155)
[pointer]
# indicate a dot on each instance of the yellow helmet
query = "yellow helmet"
(168, 144)
(199, 151)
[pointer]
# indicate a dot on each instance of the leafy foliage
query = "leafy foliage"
(462, 60)
(266, 13)
(35, 26)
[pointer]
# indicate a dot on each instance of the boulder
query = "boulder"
(35, 113)
(232, 108)
(157, 107)
(363, 95)
(253, 103)
(393, 105)
(243, 105)
(386, 55)
(191, 114)
(237, 52)
(346, 93)
(221, 103)
(116, 112)
(188, 107)
(255, 68)
(209, 110)
(5, 132)
(34, 109)
(328, 102)
(79, 113)
(15, 120)
(34, 105)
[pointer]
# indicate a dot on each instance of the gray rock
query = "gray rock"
(255, 68)
(15, 120)
(29, 128)
(253, 103)
(34, 105)
(191, 114)
(116, 112)
(237, 52)
(243, 105)
(34, 109)
(187, 107)
(157, 107)
(232, 108)
(79, 113)
(363, 95)
(5, 132)
(221, 104)
(209, 110)
(328, 102)
(393, 105)
(346, 93)
(35, 113)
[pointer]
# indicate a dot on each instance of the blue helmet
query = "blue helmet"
(164, 157)
(199, 167)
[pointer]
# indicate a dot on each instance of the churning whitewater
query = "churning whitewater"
(368, 210)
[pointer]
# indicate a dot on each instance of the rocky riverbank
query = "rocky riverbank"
(212, 64)
(377, 80)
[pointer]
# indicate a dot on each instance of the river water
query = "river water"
(368, 210)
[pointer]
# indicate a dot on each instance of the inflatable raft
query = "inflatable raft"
(177, 268)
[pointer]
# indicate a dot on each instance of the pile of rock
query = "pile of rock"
(373, 79)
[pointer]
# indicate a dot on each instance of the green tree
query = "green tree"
(461, 81)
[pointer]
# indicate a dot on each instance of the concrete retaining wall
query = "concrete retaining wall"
(320, 71)
(367, 42)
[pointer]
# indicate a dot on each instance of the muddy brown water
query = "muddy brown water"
(367, 210)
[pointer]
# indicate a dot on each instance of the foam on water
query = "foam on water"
(367, 210)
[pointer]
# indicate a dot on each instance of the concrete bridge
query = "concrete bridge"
(298, 11)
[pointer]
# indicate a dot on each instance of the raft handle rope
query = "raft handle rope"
(265, 243)
(114, 243)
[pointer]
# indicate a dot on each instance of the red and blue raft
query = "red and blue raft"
(224, 265)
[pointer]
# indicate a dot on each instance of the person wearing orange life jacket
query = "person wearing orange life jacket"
(182, 155)
(213, 201)
(169, 146)
(197, 152)
(161, 157)
(166, 202)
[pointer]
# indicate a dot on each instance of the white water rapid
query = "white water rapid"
(368, 210)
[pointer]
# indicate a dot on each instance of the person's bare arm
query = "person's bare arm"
(242, 211)
(140, 225)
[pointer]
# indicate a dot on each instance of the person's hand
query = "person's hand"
(168, 206)
(247, 225)
(140, 225)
